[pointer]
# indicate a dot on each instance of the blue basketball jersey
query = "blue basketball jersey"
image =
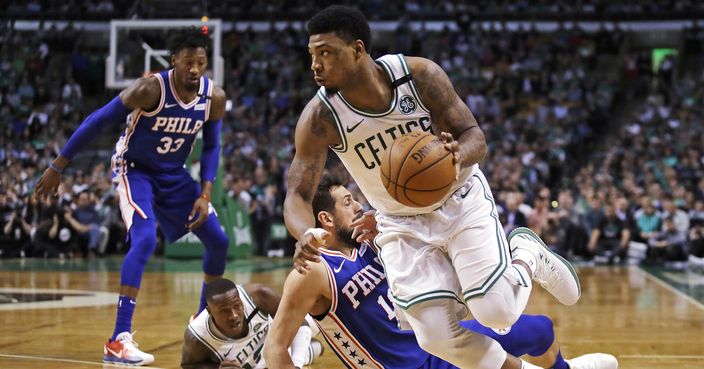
(361, 326)
(162, 139)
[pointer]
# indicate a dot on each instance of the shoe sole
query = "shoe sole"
(529, 232)
(110, 359)
(116, 361)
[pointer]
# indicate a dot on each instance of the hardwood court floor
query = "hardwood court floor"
(624, 311)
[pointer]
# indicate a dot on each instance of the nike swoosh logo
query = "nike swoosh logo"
(166, 106)
(339, 267)
(350, 129)
(117, 354)
(228, 352)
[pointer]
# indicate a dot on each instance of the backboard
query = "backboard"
(138, 48)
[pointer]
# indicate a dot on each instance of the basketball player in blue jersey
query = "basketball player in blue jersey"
(348, 294)
(441, 260)
(163, 114)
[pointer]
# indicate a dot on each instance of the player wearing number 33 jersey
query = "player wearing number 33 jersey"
(161, 140)
(149, 158)
(163, 114)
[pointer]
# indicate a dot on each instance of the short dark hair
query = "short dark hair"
(191, 37)
(346, 22)
(322, 200)
(217, 287)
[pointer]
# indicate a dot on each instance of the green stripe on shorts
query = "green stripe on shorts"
(432, 295)
(501, 268)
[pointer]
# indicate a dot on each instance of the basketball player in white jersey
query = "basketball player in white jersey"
(230, 333)
(347, 295)
(440, 260)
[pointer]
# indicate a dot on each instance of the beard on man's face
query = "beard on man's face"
(344, 235)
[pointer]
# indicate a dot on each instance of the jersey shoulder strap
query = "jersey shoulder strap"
(399, 71)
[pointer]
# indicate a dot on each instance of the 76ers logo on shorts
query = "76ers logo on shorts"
(407, 105)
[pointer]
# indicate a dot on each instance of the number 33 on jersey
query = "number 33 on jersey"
(162, 139)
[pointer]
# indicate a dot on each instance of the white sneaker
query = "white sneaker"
(123, 350)
(593, 361)
(552, 272)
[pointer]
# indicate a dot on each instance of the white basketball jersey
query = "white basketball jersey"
(365, 135)
(246, 350)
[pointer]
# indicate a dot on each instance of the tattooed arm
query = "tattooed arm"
(194, 354)
(448, 112)
(315, 131)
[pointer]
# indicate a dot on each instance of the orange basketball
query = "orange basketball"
(417, 169)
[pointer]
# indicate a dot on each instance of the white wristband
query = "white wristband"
(317, 233)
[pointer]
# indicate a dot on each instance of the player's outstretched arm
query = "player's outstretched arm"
(315, 132)
(194, 354)
(144, 93)
(210, 154)
(301, 294)
(209, 158)
(448, 112)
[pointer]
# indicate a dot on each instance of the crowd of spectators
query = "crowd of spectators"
(544, 100)
(642, 189)
(41, 104)
(483, 9)
(377, 9)
(651, 176)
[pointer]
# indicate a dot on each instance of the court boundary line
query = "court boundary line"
(42, 358)
(667, 286)
(661, 357)
(71, 299)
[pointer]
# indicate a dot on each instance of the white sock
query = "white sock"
(314, 352)
(526, 257)
(300, 346)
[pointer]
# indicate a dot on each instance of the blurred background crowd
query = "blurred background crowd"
(375, 9)
(591, 144)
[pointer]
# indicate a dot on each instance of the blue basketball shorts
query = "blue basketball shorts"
(166, 197)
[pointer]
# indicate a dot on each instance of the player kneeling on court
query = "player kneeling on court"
(231, 331)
